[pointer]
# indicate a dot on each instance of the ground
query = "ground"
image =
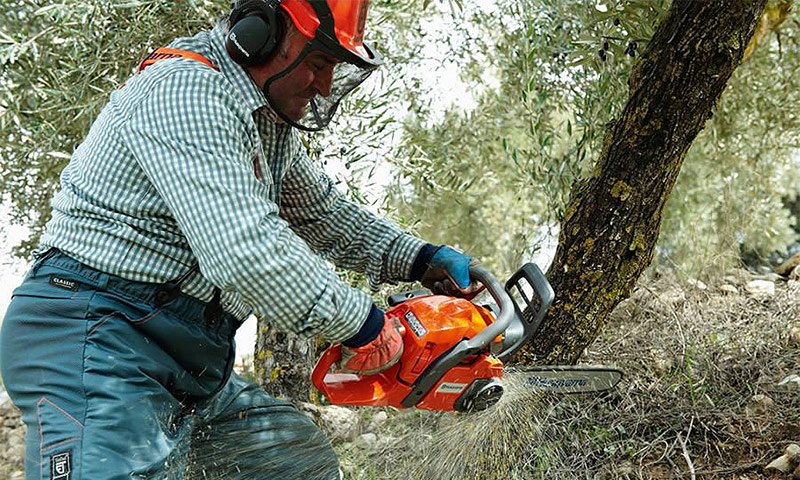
(701, 399)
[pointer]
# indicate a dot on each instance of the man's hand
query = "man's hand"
(448, 273)
(377, 355)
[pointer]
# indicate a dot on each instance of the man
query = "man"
(190, 205)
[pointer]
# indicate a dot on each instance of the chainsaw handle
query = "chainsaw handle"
(331, 355)
(504, 302)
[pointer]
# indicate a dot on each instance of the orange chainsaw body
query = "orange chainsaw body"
(431, 326)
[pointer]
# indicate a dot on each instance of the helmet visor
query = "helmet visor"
(334, 83)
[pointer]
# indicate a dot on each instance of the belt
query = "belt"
(165, 295)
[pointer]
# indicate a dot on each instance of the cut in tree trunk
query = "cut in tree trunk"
(611, 225)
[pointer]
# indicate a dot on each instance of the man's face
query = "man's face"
(292, 93)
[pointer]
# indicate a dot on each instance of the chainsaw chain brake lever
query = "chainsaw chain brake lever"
(522, 326)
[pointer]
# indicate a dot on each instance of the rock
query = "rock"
(8, 409)
(697, 284)
(781, 464)
(763, 270)
(672, 297)
(311, 410)
(662, 361)
(769, 277)
(729, 289)
(790, 382)
(15, 448)
(386, 442)
(760, 287)
(796, 474)
(795, 274)
(377, 421)
(759, 405)
(370, 440)
(730, 279)
(339, 423)
(793, 452)
(794, 336)
(786, 267)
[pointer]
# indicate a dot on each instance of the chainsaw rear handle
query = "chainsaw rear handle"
(328, 359)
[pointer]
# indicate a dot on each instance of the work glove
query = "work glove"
(447, 266)
(379, 354)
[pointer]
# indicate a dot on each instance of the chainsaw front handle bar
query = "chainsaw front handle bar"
(523, 329)
(504, 302)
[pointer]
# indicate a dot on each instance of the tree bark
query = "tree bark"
(609, 232)
(283, 364)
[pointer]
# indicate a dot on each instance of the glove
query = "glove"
(377, 355)
(446, 266)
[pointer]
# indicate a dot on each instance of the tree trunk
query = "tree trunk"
(611, 225)
(283, 363)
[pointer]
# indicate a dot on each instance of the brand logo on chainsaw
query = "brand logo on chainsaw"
(415, 325)
(542, 382)
(451, 387)
(60, 466)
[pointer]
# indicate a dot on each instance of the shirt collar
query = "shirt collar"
(253, 96)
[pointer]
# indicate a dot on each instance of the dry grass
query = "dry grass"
(694, 358)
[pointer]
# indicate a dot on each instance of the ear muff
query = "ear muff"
(255, 30)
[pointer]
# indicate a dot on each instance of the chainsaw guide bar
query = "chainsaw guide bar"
(563, 379)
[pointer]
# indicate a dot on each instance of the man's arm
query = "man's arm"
(190, 137)
(343, 232)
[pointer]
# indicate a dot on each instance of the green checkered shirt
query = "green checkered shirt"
(186, 164)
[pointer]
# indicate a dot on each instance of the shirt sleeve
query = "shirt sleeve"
(342, 231)
(191, 138)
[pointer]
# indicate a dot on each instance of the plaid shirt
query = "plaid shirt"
(186, 164)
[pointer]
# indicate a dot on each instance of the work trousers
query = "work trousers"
(112, 384)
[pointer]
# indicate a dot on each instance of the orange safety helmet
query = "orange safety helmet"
(335, 27)
(340, 22)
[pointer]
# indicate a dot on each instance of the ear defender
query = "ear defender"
(254, 32)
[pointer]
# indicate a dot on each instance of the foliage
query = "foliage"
(551, 75)
(485, 161)
(58, 64)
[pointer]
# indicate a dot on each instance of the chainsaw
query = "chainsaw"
(453, 350)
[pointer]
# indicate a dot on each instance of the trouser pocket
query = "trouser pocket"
(60, 436)
(182, 353)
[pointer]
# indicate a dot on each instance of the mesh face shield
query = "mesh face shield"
(347, 75)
